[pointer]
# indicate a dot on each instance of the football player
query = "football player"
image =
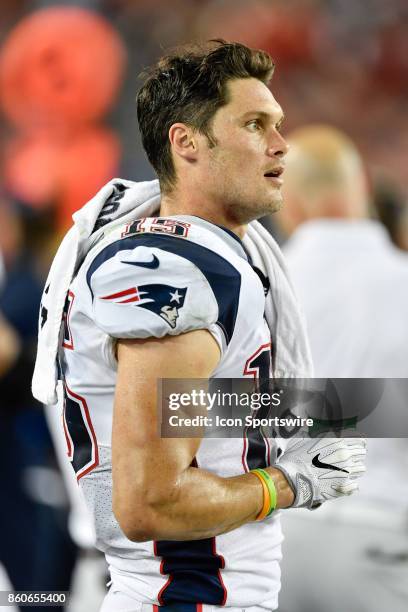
(188, 524)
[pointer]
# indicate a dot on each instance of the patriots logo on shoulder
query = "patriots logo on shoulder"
(163, 300)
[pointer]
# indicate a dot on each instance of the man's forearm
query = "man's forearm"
(200, 505)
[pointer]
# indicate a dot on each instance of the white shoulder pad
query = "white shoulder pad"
(144, 291)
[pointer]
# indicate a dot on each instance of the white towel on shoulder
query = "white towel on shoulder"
(291, 350)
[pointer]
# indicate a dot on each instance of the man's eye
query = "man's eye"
(254, 124)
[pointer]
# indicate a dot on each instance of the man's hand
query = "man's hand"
(10, 346)
(323, 469)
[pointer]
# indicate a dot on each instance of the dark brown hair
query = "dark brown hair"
(189, 86)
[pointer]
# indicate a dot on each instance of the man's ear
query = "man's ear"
(183, 141)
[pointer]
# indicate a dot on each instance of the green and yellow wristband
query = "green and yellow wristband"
(269, 491)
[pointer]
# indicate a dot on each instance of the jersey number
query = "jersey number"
(257, 452)
(67, 341)
(157, 225)
(79, 433)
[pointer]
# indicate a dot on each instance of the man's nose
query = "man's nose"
(278, 147)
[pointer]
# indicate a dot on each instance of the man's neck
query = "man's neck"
(176, 204)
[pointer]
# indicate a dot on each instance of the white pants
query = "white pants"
(117, 601)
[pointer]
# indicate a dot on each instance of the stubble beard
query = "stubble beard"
(244, 212)
(238, 208)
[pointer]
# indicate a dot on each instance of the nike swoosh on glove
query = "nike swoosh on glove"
(322, 469)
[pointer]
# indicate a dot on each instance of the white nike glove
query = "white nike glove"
(322, 469)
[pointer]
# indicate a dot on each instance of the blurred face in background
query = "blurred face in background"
(241, 169)
(325, 177)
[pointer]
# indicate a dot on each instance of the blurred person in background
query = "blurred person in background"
(54, 102)
(35, 547)
(353, 285)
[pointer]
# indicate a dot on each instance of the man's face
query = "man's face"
(243, 169)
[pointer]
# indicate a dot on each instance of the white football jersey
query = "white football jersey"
(150, 278)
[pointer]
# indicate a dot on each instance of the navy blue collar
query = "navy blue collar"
(222, 231)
